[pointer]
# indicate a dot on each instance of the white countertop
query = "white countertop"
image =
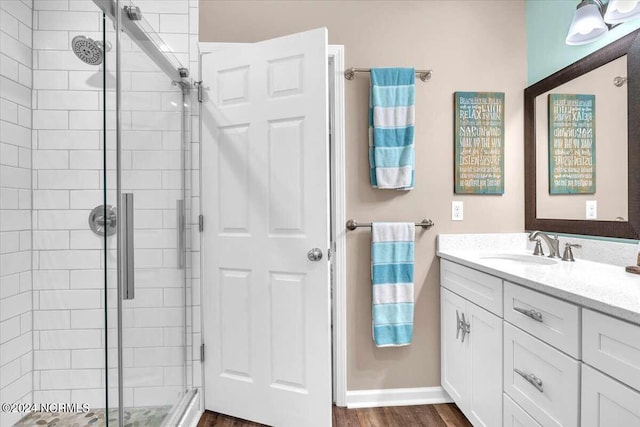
(602, 287)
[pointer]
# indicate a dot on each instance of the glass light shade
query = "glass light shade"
(587, 25)
(619, 11)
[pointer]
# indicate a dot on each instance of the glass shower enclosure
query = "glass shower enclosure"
(109, 301)
(148, 345)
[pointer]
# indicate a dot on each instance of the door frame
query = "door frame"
(338, 212)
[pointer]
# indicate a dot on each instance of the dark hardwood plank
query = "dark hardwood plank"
(210, 419)
(451, 415)
(430, 416)
(421, 415)
(445, 415)
(373, 417)
(344, 417)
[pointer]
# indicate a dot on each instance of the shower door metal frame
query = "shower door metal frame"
(141, 37)
(119, 266)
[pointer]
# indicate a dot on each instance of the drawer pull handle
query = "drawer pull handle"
(531, 379)
(535, 315)
(462, 325)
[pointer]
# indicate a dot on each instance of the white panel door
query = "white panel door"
(265, 198)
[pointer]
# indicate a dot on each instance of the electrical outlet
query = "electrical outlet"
(457, 211)
(592, 209)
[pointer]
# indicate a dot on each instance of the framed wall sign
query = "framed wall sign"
(479, 142)
(572, 144)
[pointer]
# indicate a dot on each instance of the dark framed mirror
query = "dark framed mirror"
(624, 220)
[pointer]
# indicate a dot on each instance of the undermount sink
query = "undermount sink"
(520, 259)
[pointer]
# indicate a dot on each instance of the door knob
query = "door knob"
(314, 254)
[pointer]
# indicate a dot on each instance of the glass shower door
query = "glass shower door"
(152, 194)
(144, 166)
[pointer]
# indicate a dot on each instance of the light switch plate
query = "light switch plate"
(457, 210)
(592, 209)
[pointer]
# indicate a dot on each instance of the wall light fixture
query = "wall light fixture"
(593, 19)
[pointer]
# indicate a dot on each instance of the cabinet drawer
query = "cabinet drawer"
(606, 402)
(612, 345)
(479, 288)
(553, 321)
(552, 400)
(515, 416)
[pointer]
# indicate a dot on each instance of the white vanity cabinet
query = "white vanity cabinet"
(471, 347)
(515, 356)
(542, 380)
(607, 402)
(515, 416)
(613, 347)
(541, 351)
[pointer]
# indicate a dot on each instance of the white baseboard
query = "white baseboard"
(397, 397)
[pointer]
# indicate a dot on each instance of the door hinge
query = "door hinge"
(202, 352)
(201, 223)
(198, 86)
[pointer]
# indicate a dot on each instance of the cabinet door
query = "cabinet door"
(606, 402)
(485, 358)
(454, 365)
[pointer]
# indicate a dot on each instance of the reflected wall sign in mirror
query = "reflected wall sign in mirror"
(606, 76)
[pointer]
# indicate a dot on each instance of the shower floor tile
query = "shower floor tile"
(151, 416)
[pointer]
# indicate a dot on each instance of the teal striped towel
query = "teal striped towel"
(391, 132)
(392, 247)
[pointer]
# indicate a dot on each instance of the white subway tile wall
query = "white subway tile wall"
(52, 334)
(16, 311)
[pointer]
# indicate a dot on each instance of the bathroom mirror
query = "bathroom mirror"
(612, 167)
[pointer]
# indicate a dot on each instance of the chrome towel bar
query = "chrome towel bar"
(352, 224)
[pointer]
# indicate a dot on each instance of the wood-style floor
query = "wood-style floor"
(395, 416)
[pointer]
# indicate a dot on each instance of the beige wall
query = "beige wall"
(471, 46)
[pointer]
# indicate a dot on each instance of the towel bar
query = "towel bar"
(352, 224)
(350, 73)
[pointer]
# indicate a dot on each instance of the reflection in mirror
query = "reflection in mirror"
(609, 150)
(615, 216)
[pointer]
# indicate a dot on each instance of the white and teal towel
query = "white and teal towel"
(391, 132)
(392, 247)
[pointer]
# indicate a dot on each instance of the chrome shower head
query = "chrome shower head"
(88, 50)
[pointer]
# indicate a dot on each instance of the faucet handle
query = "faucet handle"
(568, 253)
(538, 250)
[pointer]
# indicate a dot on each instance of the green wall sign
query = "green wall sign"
(572, 144)
(479, 142)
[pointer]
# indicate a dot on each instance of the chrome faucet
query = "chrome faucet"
(552, 242)
(568, 253)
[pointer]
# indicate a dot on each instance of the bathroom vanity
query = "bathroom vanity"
(533, 341)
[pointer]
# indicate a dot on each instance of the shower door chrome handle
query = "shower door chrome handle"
(180, 226)
(126, 247)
